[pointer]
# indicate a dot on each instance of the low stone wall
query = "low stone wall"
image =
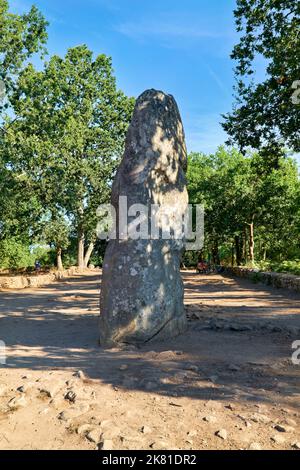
(279, 280)
(36, 280)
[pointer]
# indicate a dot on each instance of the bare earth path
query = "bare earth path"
(231, 372)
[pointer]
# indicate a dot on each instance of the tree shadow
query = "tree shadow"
(57, 328)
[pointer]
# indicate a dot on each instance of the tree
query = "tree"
(276, 195)
(20, 37)
(267, 115)
(248, 206)
(69, 135)
(21, 209)
(57, 232)
(218, 182)
(14, 253)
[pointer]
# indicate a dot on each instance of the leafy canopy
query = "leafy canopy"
(265, 116)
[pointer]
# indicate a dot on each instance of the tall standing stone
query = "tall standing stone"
(142, 289)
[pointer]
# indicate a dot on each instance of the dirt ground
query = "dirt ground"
(228, 383)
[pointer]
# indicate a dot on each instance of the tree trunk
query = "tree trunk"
(88, 254)
(80, 252)
(215, 253)
(59, 262)
(232, 255)
(251, 242)
(238, 250)
(245, 255)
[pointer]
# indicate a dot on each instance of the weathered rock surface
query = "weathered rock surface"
(222, 433)
(73, 412)
(142, 290)
(17, 402)
(254, 446)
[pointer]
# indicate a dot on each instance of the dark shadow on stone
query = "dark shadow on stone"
(142, 290)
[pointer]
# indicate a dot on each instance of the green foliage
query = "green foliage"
(69, 135)
(98, 254)
(291, 266)
(237, 191)
(63, 129)
(56, 232)
(14, 254)
(20, 37)
(221, 183)
(45, 255)
(265, 117)
(97, 259)
(61, 137)
(190, 259)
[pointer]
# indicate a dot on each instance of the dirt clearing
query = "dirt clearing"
(228, 383)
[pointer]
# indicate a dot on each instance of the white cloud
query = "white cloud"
(143, 29)
(218, 80)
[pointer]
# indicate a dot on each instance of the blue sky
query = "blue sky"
(181, 47)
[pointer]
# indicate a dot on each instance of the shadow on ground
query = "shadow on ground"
(56, 327)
